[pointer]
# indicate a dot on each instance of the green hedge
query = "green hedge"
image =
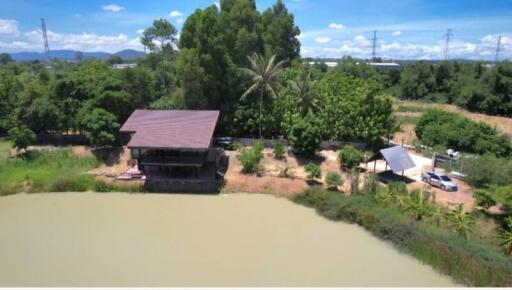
(468, 261)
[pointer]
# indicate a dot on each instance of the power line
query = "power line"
(45, 39)
(374, 45)
(448, 36)
(498, 49)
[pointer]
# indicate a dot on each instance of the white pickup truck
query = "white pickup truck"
(439, 180)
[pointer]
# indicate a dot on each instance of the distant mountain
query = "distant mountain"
(130, 54)
(127, 54)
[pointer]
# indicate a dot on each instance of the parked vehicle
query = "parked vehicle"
(439, 180)
(224, 142)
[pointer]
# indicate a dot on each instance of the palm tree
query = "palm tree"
(263, 72)
(506, 237)
(302, 89)
(461, 222)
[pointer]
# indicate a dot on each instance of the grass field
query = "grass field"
(5, 146)
(55, 170)
(408, 112)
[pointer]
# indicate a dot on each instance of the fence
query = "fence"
(61, 139)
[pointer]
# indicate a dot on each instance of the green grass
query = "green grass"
(5, 146)
(46, 171)
(473, 261)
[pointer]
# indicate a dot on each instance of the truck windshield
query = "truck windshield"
(445, 178)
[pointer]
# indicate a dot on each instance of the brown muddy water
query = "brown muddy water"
(110, 239)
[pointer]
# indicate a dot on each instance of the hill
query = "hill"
(127, 54)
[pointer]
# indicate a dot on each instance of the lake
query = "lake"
(116, 239)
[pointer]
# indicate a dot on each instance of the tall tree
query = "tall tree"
(264, 74)
(280, 33)
(240, 23)
(163, 33)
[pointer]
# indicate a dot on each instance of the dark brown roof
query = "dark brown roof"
(171, 128)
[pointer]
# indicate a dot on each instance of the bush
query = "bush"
(251, 157)
(305, 133)
(350, 157)
(21, 137)
(437, 127)
(313, 170)
(278, 149)
(483, 171)
(333, 180)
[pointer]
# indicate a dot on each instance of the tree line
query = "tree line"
(234, 59)
(473, 86)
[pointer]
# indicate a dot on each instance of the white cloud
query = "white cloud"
(175, 13)
(180, 20)
(112, 8)
(397, 33)
(84, 41)
(140, 31)
(8, 27)
(334, 25)
(322, 39)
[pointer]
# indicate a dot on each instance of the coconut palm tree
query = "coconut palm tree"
(302, 89)
(461, 222)
(506, 237)
(264, 78)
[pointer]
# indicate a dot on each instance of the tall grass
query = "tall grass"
(5, 146)
(410, 109)
(40, 171)
(469, 261)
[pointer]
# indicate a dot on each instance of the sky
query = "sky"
(406, 29)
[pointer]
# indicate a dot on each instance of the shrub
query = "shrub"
(305, 134)
(313, 170)
(333, 180)
(483, 171)
(278, 149)
(21, 137)
(251, 157)
(350, 157)
(438, 127)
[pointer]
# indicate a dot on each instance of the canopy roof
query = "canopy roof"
(179, 129)
(398, 158)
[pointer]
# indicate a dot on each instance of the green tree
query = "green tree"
(5, 58)
(301, 88)
(241, 29)
(350, 157)
(164, 33)
(264, 74)
(280, 34)
(353, 110)
(460, 221)
(21, 137)
(100, 127)
(305, 133)
(114, 59)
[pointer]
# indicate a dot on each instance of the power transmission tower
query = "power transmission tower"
(447, 44)
(45, 39)
(374, 45)
(498, 48)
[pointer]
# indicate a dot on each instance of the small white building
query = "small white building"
(124, 65)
